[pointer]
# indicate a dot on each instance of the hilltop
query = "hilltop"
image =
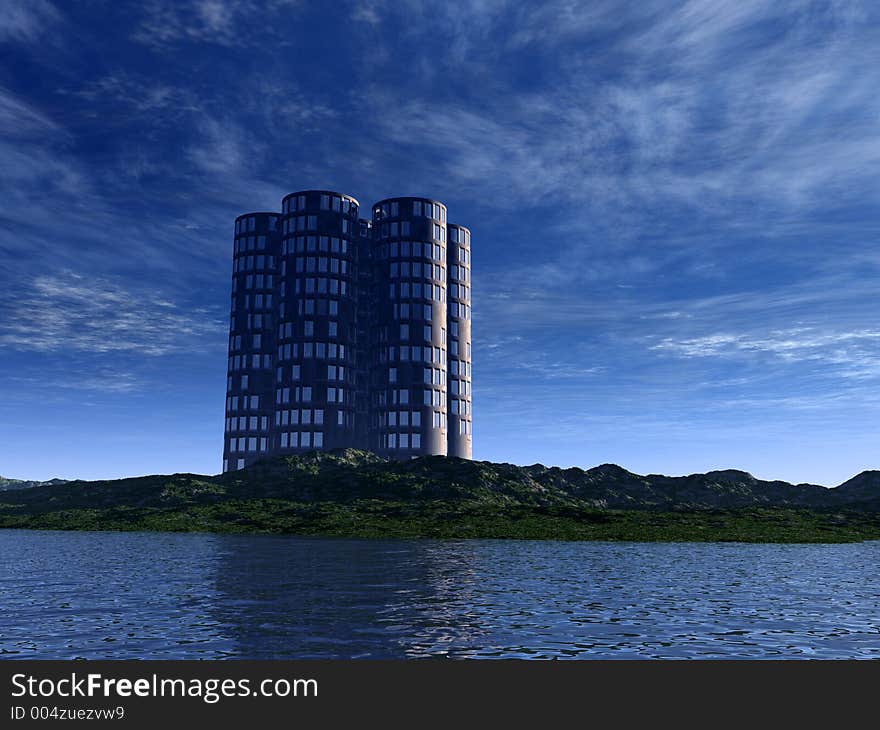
(7, 484)
(356, 493)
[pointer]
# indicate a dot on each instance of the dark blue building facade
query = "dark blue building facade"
(343, 332)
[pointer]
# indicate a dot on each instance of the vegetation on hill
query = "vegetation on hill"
(357, 494)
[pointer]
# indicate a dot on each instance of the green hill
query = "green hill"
(357, 494)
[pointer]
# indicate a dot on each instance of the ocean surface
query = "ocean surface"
(104, 595)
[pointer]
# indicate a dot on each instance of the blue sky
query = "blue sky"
(674, 207)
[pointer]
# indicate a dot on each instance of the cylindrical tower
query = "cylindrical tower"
(317, 326)
(249, 387)
(458, 292)
(408, 331)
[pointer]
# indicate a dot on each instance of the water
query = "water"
(177, 596)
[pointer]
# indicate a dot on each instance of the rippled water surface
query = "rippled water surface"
(143, 595)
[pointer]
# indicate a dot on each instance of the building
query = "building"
(349, 332)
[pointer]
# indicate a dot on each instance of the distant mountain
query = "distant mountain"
(864, 487)
(7, 484)
(357, 493)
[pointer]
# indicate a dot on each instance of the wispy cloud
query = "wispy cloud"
(69, 312)
(25, 21)
(220, 22)
(706, 104)
(851, 354)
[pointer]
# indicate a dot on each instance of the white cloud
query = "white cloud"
(69, 312)
(220, 22)
(25, 21)
(850, 354)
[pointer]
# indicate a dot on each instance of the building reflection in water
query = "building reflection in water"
(286, 597)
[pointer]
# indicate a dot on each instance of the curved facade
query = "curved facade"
(408, 378)
(316, 350)
(458, 290)
(342, 334)
(249, 408)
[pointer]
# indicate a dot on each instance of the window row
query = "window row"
(454, 350)
(248, 243)
(296, 416)
(313, 285)
(310, 244)
(417, 270)
(253, 263)
(459, 235)
(393, 397)
(459, 407)
(302, 440)
(318, 306)
(321, 264)
(459, 291)
(465, 428)
(242, 403)
(337, 203)
(299, 223)
(459, 273)
(252, 301)
(295, 373)
(235, 342)
(459, 367)
(417, 290)
(247, 444)
(461, 310)
(399, 418)
(250, 321)
(312, 350)
(249, 224)
(340, 204)
(420, 208)
(401, 440)
(412, 353)
(251, 362)
(394, 229)
(429, 210)
(406, 310)
(435, 399)
(247, 423)
(459, 387)
(303, 394)
(434, 376)
(408, 331)
(411, 249)
(254, 281)
(289, 329)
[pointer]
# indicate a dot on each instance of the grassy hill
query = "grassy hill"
(357, 494)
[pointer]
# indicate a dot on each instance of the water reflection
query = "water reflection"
(199, 596)
(308, 598)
